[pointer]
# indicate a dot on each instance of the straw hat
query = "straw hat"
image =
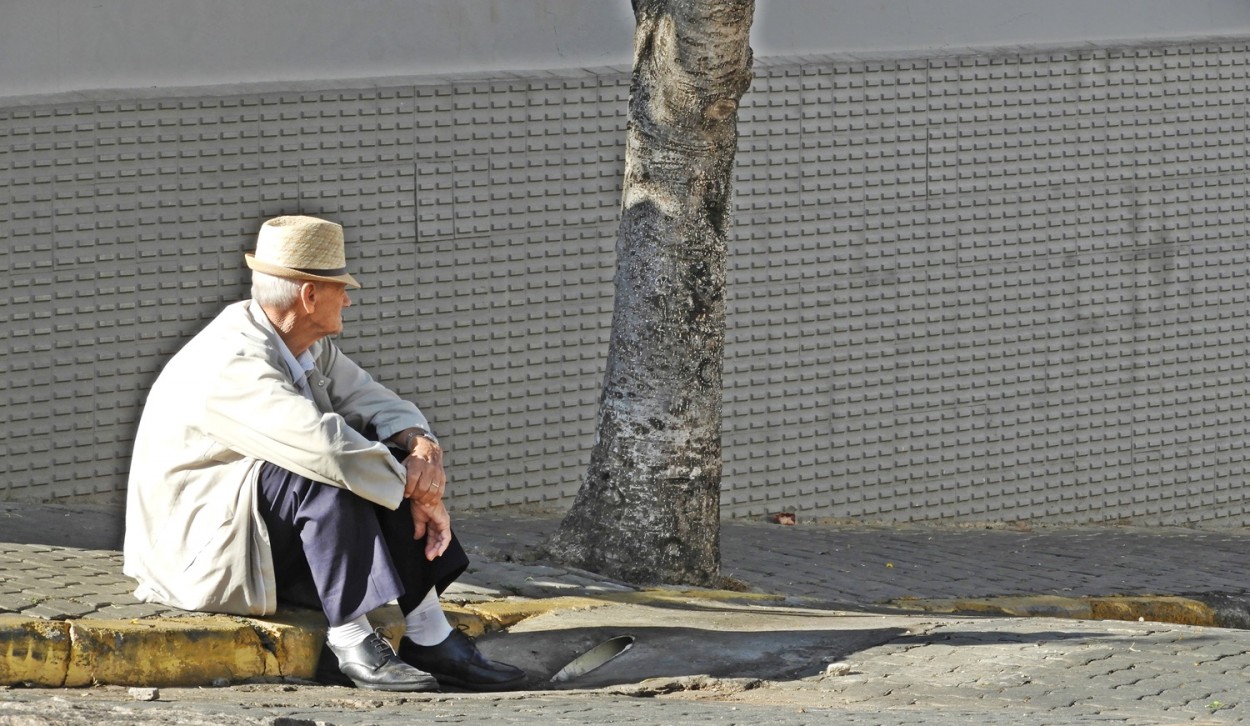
(301, 248)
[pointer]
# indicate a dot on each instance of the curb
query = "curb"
(214, 650)
(206, 650)
(1212, 610)
(167, 651)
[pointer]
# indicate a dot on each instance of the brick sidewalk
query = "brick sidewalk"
(866, 565)
(853, 565)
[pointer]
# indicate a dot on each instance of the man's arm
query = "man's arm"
(366, 403)
(253, 409)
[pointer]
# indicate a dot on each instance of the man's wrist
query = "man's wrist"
(415, 433)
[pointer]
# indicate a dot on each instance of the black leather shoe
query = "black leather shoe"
(373, 665)
(457, 662)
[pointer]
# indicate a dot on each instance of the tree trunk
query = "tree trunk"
(649, 508)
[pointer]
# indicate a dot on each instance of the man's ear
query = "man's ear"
(308, 296)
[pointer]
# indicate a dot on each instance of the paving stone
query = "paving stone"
(59, 610)
(128, 612)
(16, 602)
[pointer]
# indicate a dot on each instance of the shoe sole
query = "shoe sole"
(336, 678)
(421, 687)
(481, 688)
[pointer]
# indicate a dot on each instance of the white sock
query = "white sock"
(426, 624)
(349, 634)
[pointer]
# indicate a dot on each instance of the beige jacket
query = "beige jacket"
(222, 406)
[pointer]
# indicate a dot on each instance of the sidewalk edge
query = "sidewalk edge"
(1219, 610)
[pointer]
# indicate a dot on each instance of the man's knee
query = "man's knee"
(296, 498)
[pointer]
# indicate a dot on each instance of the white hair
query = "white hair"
(274, 292)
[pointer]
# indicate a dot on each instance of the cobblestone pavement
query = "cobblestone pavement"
(72, 569)
(862, 565)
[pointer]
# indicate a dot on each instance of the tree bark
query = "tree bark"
(649, 508)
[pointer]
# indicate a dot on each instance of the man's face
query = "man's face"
(330, 299)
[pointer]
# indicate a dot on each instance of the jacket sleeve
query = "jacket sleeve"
(253, 408)
(362, 401)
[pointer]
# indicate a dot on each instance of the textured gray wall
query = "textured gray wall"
(997, 285)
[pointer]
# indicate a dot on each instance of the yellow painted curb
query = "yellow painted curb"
(199, 649)
(1162, 609)
(642, 597)
(479, 618)
(293, 639)
(33, 651)
(191, 650)
(186, 651)
(465, 620)
(1034, 606)
(502, 614)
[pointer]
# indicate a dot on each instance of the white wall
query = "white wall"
(788, 27)
(53, 46)
(67, 45)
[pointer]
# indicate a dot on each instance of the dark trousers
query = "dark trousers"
(344, 555)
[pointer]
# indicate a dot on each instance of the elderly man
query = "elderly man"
(263, 471)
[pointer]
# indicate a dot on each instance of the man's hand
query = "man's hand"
(434, 523)
(426, 477)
